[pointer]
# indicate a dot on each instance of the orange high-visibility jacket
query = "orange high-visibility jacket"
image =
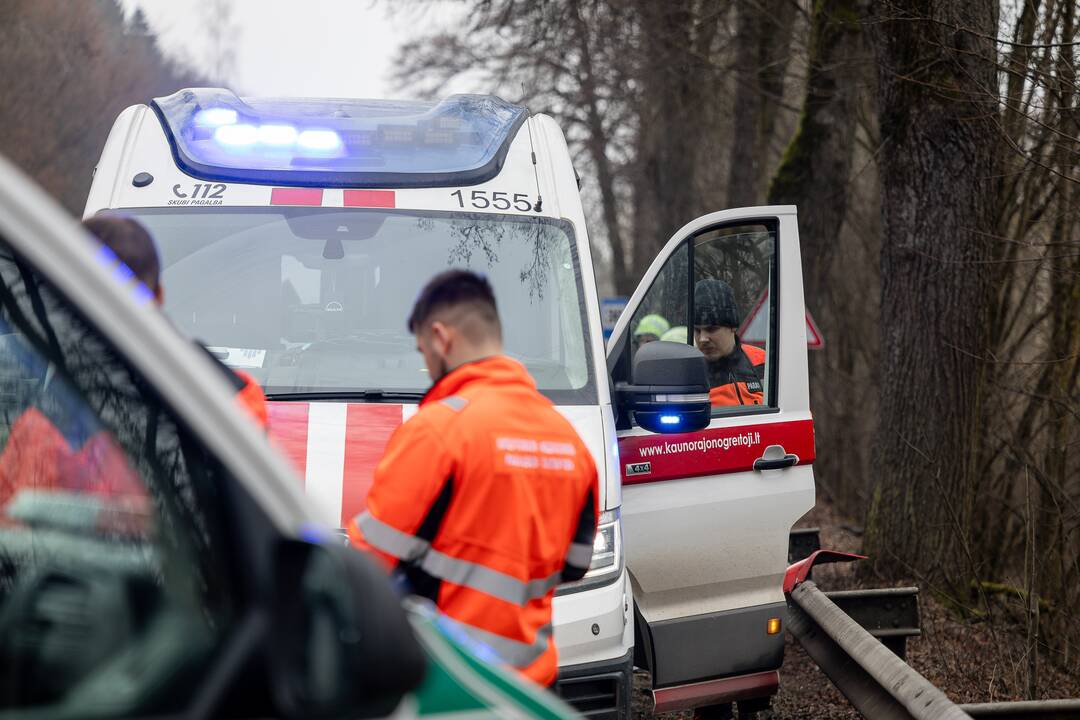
(249, 394)
(737, 380)
(252, 398)
(486, 500)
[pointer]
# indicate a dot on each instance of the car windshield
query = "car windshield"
(314, 301)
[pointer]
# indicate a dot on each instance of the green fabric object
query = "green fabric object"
(675, 334)
(652, 325)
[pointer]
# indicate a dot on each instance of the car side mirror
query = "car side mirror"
(669, 388)
(341, 643)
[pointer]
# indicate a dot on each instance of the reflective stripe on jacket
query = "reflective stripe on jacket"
(484, 501)
(737, 378)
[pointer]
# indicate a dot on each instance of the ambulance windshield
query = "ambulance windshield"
(315, 300)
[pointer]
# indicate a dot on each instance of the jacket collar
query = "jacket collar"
(493, 370)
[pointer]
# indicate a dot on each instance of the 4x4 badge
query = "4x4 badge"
(642, 468)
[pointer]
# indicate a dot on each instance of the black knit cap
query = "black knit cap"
(714, 304)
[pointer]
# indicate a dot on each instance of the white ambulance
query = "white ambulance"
(295, 235)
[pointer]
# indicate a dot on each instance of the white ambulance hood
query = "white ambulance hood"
(335, 446)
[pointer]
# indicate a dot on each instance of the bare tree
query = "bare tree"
(69, 69)
(816, 174)
(940, 176)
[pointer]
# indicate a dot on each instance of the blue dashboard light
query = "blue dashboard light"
(322, 140)
(277, 135)
(215, 117)
(670, 419)
(236, 135)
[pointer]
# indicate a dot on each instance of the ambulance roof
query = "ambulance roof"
(216, 135)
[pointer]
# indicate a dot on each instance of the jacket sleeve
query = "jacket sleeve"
(409, 493)
(579, 554)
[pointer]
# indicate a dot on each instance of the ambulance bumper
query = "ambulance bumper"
(594, 634)
(599, 690)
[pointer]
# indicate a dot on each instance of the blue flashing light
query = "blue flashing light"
(236, 135)
(123, 274)
(106, 256)
(142, 294)
(670, 419)
(313, 534)
(461, 140)
(215, 117)
(277, 135)
(319, 140)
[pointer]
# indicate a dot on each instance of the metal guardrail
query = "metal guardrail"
(874, 679)
(1026, 710)
(802, 542)
(841, 632)
(889, 614)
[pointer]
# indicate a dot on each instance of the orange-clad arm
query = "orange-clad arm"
(252, 398)
(409, 493)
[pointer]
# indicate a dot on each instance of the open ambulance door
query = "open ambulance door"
(706, 514)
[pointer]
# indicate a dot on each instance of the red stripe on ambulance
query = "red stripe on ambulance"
(288, 427)
(367, 431)
(370, 198)
(296, 196)
(653, 458)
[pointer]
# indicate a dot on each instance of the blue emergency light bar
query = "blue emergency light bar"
(215, 135)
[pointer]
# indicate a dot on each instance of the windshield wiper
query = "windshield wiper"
(355, 395)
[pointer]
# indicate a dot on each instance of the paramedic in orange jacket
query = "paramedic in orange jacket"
(735, 369)
(133, 246)
(486, 498)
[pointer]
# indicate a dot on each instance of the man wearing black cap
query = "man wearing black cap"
(735, 370)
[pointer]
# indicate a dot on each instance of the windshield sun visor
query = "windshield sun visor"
(215, 135)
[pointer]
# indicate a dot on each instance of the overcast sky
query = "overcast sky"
(313, 48)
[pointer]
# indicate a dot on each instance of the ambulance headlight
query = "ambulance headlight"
(607, 558)
(603, 555)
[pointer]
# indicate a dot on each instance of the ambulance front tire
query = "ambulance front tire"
(756, 709)
(715, 712)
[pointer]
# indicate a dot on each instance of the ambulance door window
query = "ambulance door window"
(735, 315)
(664, 311)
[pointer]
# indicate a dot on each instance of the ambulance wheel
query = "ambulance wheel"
(714, 712)
(758, 709)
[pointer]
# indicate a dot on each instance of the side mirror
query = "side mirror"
(669, 388)
(341, 644)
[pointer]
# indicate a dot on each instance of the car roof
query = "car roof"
(54, 243)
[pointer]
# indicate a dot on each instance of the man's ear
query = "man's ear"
(440, 335)
(159, 295)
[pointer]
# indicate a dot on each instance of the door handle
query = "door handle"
(775, 458)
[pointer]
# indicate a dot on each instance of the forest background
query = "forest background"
(933, 151)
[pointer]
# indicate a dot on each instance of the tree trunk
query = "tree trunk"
(937, 103)
(746, 108)
(815, 175)
(1065, 328)
(597, 145)
(762, 50)
(670, 125)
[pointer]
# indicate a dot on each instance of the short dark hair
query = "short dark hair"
(456, 290)
(132, 244)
